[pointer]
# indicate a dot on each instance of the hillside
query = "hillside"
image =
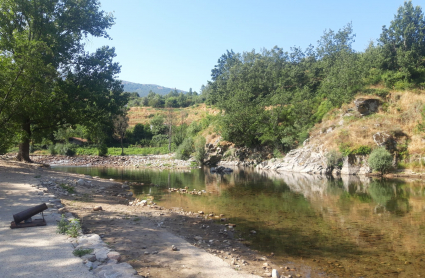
(194, 113)
(143, 89)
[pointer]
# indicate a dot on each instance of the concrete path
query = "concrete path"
(37, 251)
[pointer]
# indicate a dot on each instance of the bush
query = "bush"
(65, 149)
(52, 150)
(334, 159)
(380, 160)
(185, 149)
(200, 150)
(362, 150)
(102, 149)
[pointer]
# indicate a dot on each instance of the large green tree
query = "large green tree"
(47, 80)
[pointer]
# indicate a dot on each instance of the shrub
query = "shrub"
(185, 149)
(52, 150)
(277, 153)
(334, 159)
(74, 227)
(102, 149)
(71, 228)
(380, 160)
(200, 150)
(362, 150)
(65, 149)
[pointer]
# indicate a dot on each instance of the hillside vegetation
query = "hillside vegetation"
(274, 98)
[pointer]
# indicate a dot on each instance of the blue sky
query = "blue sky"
(177, 43)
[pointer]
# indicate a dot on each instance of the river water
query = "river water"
(349, 227)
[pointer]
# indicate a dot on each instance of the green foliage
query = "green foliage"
(47, 78)
(157, 125)
(68, 188)
(52, 150)
(82, 252)
(334, 159)
(345, 149)
(65, 149)
(380, 160)
(185, 149)
(362, 150)
(324, 107)
(70, 228)
(102, 150)
(62, 225)
(277, 153)
(200, 151)
(73, 228)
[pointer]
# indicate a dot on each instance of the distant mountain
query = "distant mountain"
(143, 89)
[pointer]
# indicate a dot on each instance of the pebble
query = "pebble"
(174, 248)
(97, 208)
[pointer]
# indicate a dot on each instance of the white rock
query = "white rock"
(81, 182)
(275, 273)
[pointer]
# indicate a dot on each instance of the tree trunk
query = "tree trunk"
(24, 146)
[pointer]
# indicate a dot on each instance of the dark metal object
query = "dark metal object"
(26, 217)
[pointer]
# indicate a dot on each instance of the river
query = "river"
(348, 227)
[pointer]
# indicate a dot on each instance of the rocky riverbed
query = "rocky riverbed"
(155, 241)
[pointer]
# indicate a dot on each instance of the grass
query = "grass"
(68, 188)
(81, 252)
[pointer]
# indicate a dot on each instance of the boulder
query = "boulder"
(366, 106)
(386, 140)
(81, 182)
(114, 256)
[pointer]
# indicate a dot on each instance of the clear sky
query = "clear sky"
(176, 43)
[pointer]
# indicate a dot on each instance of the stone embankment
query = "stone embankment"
(157, 161)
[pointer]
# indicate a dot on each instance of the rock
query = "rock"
(125, 186)
(366, 106)
(89, 264)
(253, 232)
(81, 182)
(142, 203)
(89, 257)
(97, 208)
(275, 273)
(174, 248)
(384, 139)
(198, 238)
(114, 256)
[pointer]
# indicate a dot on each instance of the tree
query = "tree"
(120, 127)
(157, 125)
(404, 39)
(47, 80)
(138, 132)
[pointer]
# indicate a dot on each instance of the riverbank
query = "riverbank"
(161, 161)
(144, 235)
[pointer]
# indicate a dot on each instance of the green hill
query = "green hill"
(143, 89)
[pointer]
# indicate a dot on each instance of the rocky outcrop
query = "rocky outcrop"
(308, 159)
(355, 165)
(312, 159)
(366, 106)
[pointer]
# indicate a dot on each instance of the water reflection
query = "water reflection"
(347, 226)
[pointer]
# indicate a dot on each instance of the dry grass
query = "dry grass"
(143, 115)
(399, 115)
